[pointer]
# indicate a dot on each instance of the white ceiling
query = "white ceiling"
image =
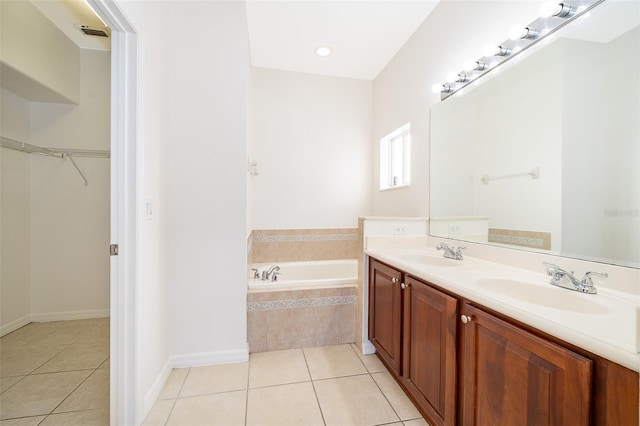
(364, 35)
(283, 34)
(68, 14)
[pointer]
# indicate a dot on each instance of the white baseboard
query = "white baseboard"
(367, 347)
(153, 393)
(52, 316)
(14, 325)
(187, 361)
(210, 358)
(69, 315)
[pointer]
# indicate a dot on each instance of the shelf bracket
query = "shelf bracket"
(69, 157)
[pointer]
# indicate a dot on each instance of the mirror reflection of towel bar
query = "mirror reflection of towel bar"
(534, 173)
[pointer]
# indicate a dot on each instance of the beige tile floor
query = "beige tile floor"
(329, 385)
(55, 373)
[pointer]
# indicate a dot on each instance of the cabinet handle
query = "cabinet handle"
(403, 286)
(394, 280)
(465, 319)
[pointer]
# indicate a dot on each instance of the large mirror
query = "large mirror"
(545, 155)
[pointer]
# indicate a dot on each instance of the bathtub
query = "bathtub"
(313, 303)
(307, 274)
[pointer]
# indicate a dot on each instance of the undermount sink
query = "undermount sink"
(425, 259)
(549, 297)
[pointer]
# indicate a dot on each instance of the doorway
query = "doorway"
(123, 231)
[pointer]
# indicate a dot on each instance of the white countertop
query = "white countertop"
(612, 333)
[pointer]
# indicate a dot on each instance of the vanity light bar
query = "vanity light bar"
(553, 16)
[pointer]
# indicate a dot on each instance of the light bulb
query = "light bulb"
(491, 50)
(469, 65)
(554, 8)
(517, 32)
(441, 88)
(549, 8)
(323, 51)
(452, 77)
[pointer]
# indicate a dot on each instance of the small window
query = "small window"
(395, 158)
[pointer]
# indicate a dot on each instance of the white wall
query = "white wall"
(152, 23)
(601, 184)
(37, 60)
(454, 32)
(206, 192)
(15, 289)
(55, 230)
(70, 221)
(193, 76)
(311, 138)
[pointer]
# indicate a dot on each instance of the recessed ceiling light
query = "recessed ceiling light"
(323, 51)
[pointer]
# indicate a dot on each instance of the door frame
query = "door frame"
(125, 400)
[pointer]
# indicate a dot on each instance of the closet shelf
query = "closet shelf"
(66, 153)
(53, 152)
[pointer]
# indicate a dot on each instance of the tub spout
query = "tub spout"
(270, 274)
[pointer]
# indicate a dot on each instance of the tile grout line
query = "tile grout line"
(175, 400)
(387, 399)
(72, 391)
(272, 386)
(378, 386)
(32, 373)
(21, 379)
(313, 386)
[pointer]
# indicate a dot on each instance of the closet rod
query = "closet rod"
(53, 152)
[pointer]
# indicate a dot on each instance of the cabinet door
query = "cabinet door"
(430, 322)
(512, 377)
(385, 312)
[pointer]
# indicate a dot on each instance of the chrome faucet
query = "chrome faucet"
(449, 252)
(565, 279)
(271, 274)
(256, 274)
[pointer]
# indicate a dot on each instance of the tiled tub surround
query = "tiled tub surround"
(278, 320)
(290, 245)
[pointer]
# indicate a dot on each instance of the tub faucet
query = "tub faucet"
(271, 274)
(256, 274)
(449, 252)
(566, 279)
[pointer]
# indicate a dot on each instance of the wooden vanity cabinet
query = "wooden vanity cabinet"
(510, 376)
(385, 313)
(463, 364)
(413, 327)
(429, 356)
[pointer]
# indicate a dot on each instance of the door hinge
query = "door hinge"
(113, 249)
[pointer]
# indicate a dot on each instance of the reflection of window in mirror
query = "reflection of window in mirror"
(395, 158)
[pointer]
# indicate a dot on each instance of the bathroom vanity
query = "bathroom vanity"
(470, 344)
